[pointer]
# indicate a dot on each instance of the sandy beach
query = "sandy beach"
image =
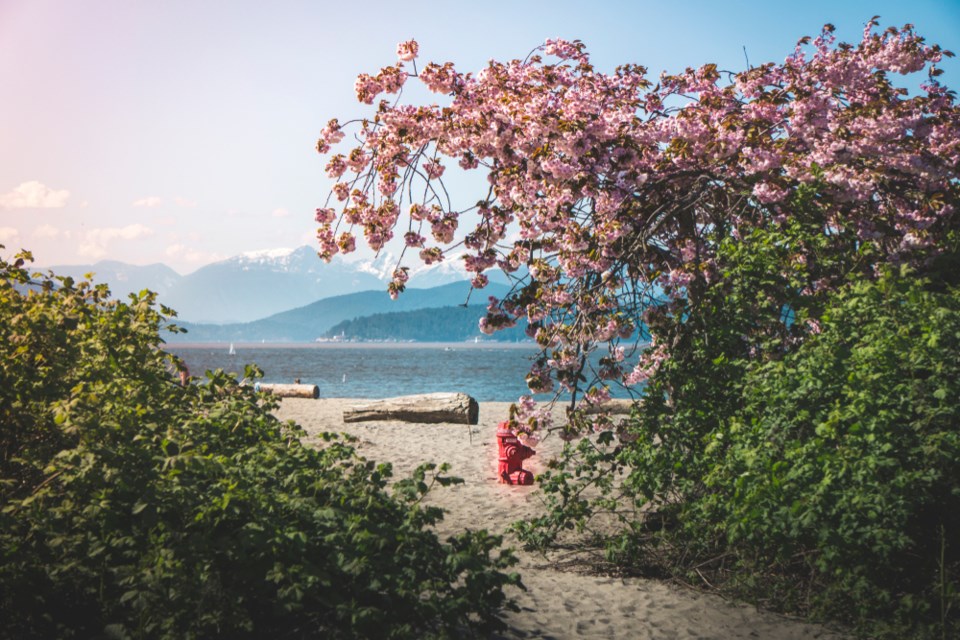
(557, 604)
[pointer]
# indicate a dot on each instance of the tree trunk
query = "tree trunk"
(290, 390)
(458, 408)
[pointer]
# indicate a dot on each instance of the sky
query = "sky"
(183, 131)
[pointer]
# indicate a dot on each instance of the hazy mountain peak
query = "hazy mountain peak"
(257, 284)
(266, 254)
(381, 267)
(124, 279)
(307, 323)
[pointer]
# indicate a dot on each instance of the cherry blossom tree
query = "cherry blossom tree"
(609, 195)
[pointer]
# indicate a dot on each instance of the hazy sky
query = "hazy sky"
(183, 131)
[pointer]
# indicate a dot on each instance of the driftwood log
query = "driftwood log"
(458, 408)
(290, 390)
(612, 407)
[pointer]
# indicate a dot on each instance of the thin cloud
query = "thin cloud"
(34, 195)
(186, 254)
(280, 213)
(8, 234)
(95, 241)
(175, 250)
(184, 202)
(46, 231)
(149, 201)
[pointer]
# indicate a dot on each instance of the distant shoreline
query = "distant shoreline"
(354, 345)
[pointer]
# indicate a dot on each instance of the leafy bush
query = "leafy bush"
(823, 480)
(736, 320)
(133, 506)
(844, 465)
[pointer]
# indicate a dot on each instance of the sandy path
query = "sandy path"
(557, 604)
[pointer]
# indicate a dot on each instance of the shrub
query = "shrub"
(133, 506)
(820, 481)
(843, 466)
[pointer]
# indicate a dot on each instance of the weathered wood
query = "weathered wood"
(612, 407)
(458, 408)
(290, 390)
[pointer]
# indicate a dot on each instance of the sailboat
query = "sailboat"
(232, 351)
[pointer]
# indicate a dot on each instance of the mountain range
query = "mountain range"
(259, 285)
(315, 320)
(433, 324)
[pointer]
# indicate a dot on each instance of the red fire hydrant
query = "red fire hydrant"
(512, 454)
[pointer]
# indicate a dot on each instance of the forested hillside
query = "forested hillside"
(306, 324)
(443, 324)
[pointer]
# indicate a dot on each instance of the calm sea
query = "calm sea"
(488, 372)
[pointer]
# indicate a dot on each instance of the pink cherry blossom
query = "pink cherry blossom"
(347, 242)
(433, 169)
(326, 215)
(367, 88)
(607, 194)
(407, 51)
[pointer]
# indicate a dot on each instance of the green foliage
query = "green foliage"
(133, 506)
(573, 487)
(736, 319)
(843, 465)
(814, 472)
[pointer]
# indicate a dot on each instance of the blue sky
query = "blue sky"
(182, 131)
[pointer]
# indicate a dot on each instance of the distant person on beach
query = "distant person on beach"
(184, 376)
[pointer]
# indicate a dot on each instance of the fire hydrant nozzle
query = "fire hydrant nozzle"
(512, 453)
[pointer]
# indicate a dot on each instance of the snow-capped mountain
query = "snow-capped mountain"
(381, 267)
(422, 276)
(307, 323)
(255, 285)
(258, 284)
(434, 275)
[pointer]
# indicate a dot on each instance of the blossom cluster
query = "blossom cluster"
(608, 192)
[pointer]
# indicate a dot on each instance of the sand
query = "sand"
(557, 604)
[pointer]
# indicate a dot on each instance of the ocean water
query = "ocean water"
(373, 370)
(488, 372)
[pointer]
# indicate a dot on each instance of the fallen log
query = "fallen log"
(458, 408)
(290, 390)
(612, 407)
